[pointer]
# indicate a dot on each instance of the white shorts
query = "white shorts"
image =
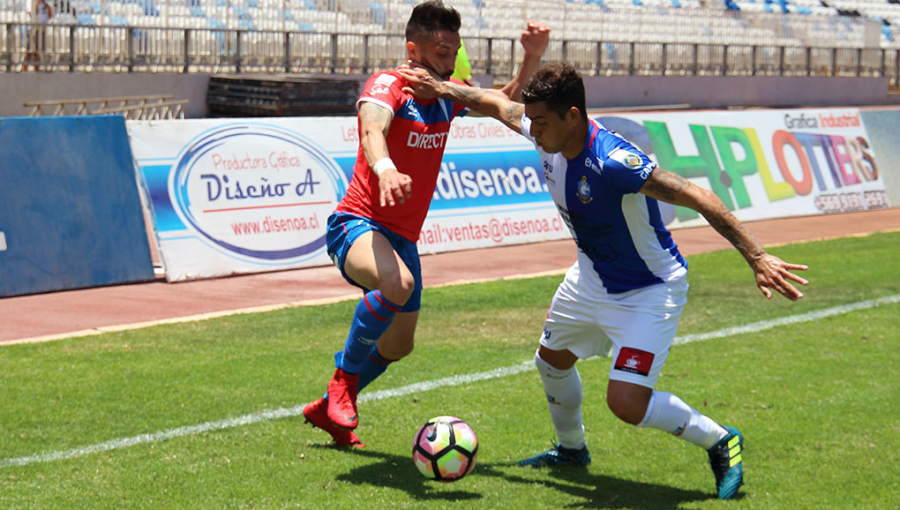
(636, 328)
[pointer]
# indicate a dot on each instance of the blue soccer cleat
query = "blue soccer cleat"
(725, 460)
(559, 455)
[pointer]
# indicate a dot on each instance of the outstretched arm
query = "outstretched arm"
(489, 102)
(535, 39)
(770, 271)
(375, 123)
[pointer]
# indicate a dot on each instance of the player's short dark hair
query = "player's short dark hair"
(429, 16)
(559, 85)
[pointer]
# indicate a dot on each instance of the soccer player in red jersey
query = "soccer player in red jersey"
(372, 234)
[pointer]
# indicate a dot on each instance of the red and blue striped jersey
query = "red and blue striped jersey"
(418, 135)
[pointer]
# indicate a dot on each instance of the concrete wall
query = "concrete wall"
(19, 88)
(729, 91)
(602, 91)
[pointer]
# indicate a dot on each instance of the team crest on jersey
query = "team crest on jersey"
(584, 191)
(629, 159)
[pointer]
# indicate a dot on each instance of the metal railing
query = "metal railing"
(92, 106)
(88, 48)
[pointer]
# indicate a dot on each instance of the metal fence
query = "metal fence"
(153, 107)
(90, 48)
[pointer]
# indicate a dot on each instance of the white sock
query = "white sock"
(563, 389)
(669, 413)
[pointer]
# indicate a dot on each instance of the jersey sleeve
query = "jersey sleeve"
(383, 89)
(626, 168)
(525, 128)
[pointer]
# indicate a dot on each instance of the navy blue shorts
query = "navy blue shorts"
(344, 229)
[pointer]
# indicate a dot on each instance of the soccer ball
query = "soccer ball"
(445, 449)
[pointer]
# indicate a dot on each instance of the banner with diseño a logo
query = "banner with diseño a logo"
(232, 197)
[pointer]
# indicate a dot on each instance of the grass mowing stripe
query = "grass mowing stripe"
(417, 388)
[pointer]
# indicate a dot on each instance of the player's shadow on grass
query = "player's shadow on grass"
(600, 491)
(594, 490)
(399, 472)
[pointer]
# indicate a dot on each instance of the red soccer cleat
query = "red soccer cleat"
(342, 399)
(316, 413)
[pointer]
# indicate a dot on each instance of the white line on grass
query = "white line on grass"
(754, 327)
(248, 419)
(457, 380)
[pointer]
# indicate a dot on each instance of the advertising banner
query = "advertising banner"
(234, 196)
(491, 191)
(765, 163)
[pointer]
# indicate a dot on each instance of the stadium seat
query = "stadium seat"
(804, 23)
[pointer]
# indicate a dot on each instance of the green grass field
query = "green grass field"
(103, 421)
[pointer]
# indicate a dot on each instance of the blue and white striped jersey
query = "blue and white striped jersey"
(619, 231)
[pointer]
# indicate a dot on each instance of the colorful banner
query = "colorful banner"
(766, 163)
(230, 197)
(490, 192)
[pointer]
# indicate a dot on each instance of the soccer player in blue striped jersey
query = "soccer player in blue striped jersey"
(625, 293)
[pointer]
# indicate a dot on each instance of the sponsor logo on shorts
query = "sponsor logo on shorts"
(634, 361)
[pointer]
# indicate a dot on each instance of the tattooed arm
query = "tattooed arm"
(485, 101)
(375, 124)
(770, 271)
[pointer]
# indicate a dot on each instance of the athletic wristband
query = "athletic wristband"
(383, 164)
